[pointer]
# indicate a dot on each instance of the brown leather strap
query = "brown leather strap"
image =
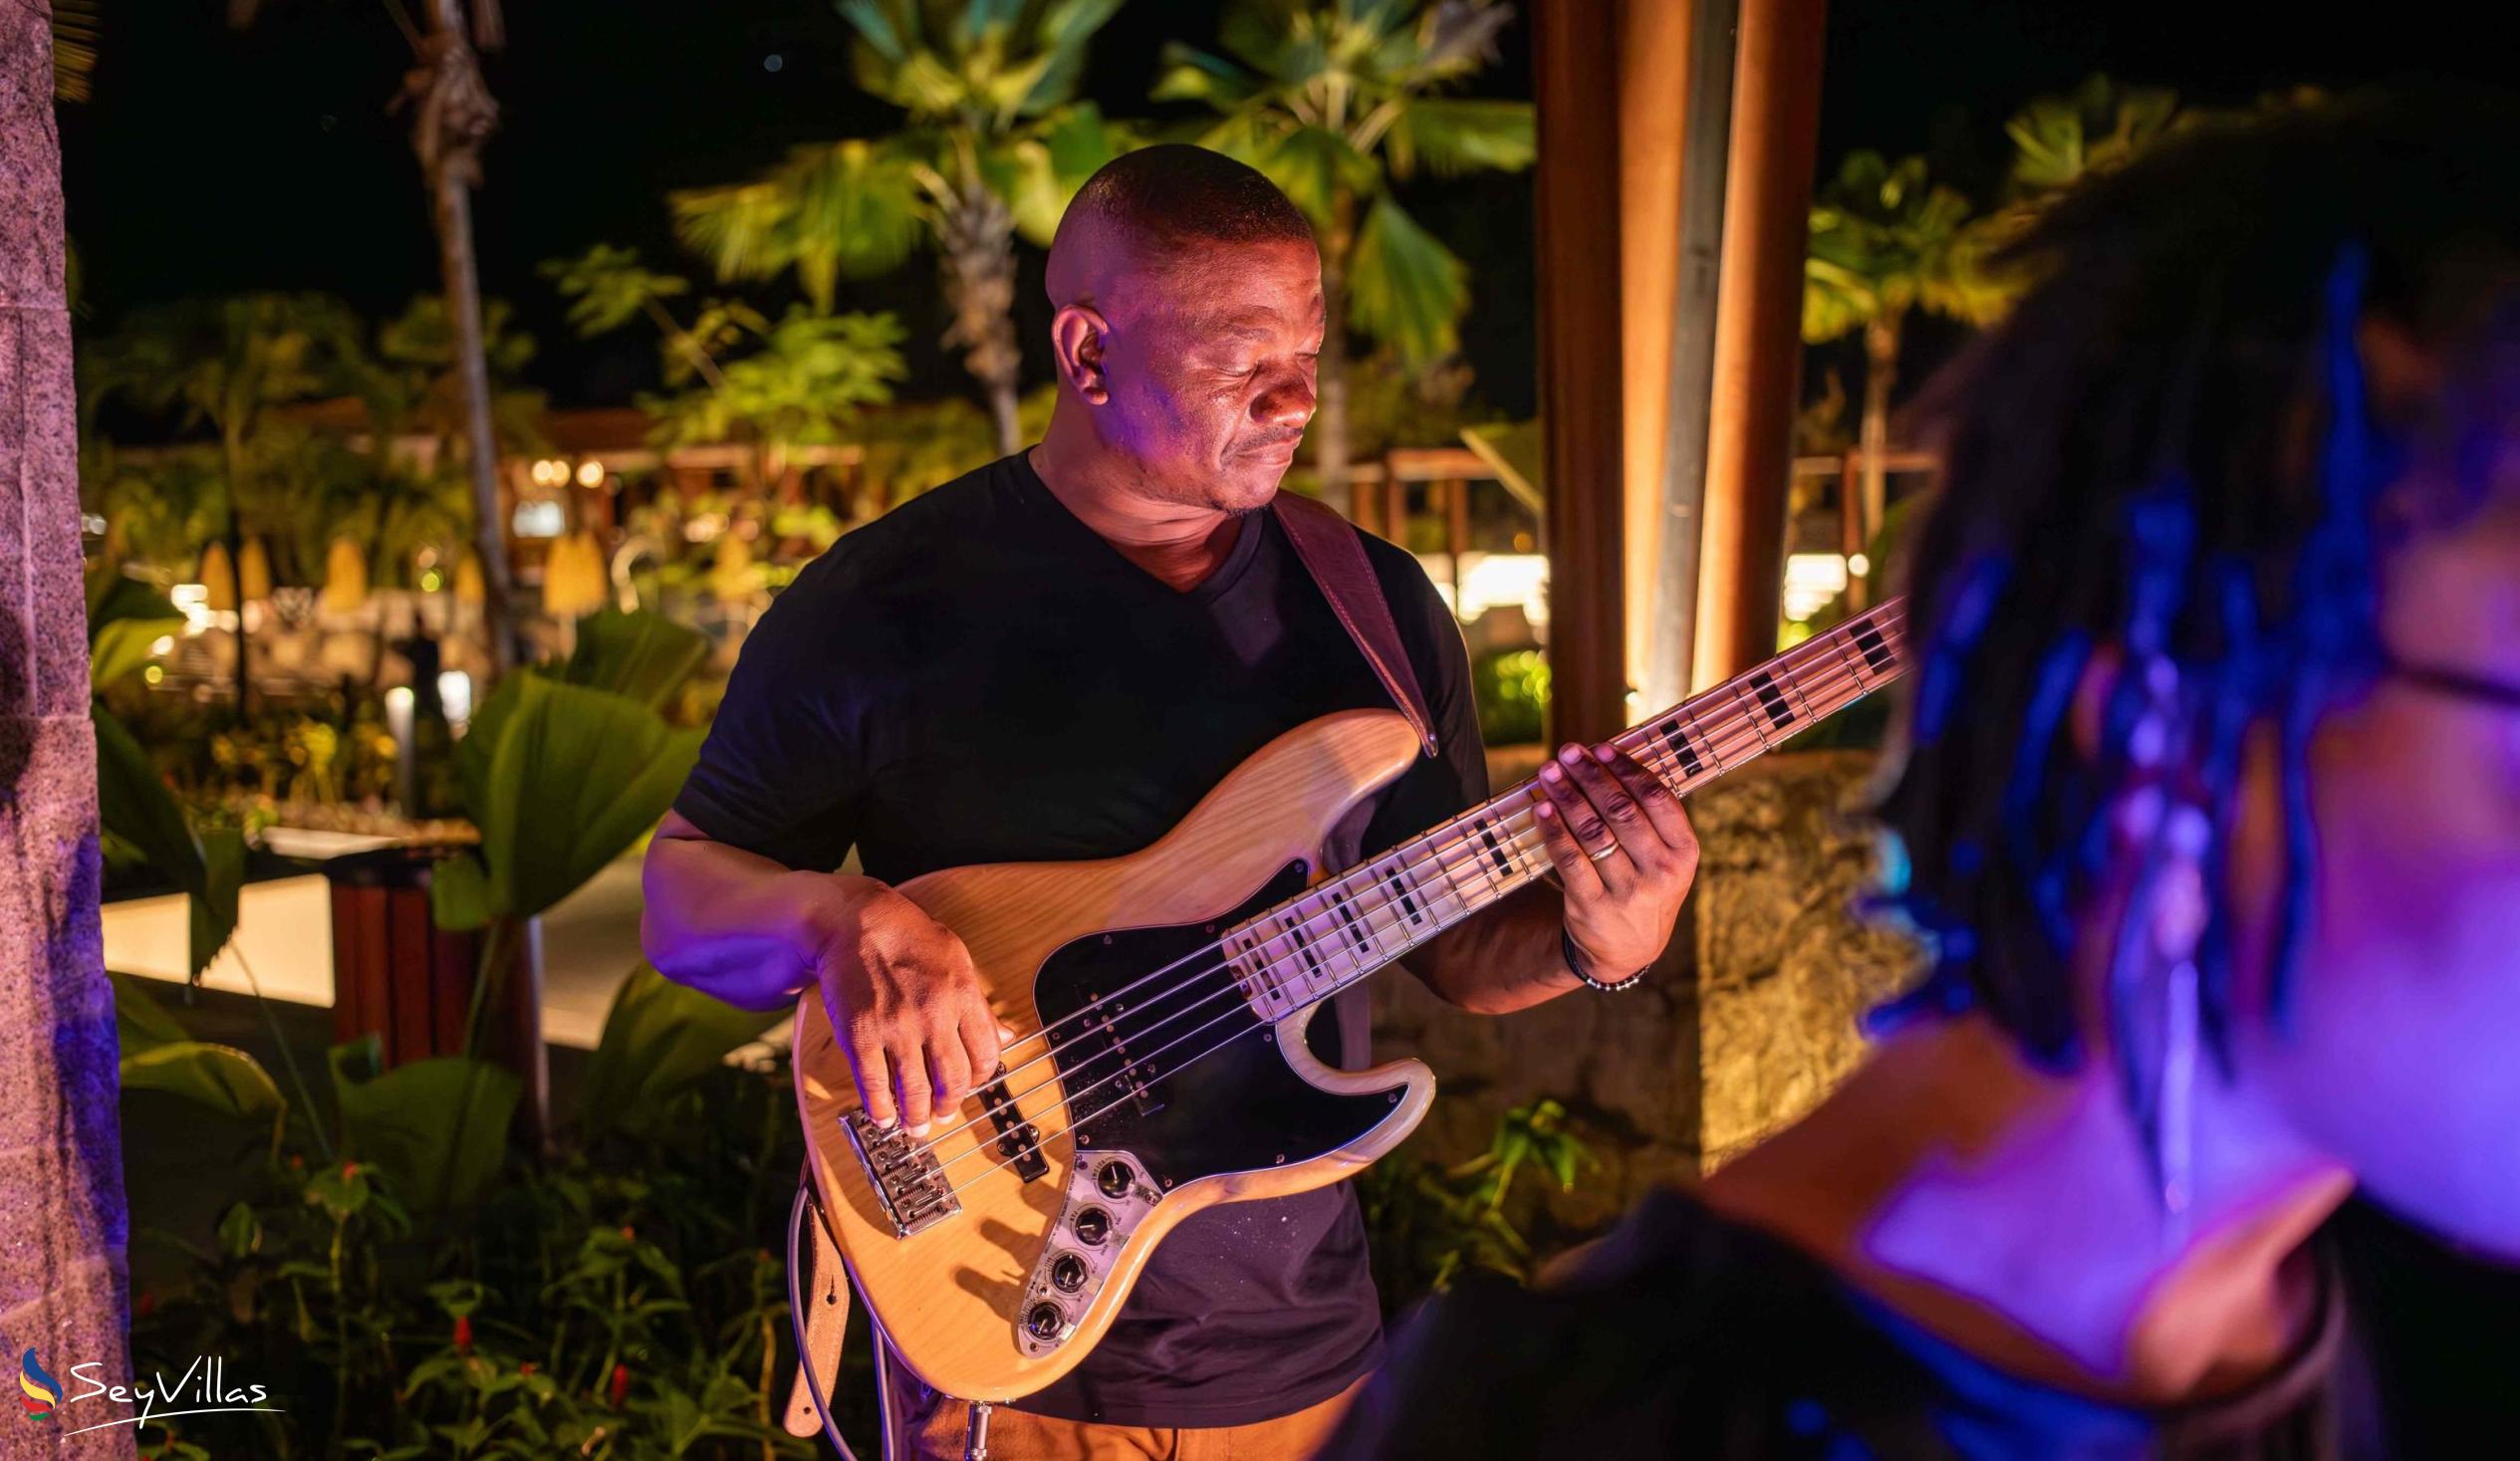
(824, 1284)
(1334, 555)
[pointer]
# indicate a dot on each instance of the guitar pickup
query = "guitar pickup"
(903, 1174)
(1018, 1140)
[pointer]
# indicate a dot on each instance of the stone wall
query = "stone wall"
(1669, 1080)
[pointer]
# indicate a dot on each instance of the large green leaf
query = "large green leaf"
(659, 1039)
(439, 1128)
(643, 655)
(217, 1078)
(119, 648)
(1404, 287)
(134, 804)
(139, 1021)
(577, 774)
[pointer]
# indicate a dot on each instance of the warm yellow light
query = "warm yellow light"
(217, 576)
(469, 589)
(589, 474)
(1859, 565)
(344, 578)
(153, 673)
(254, 567)
(431, 581)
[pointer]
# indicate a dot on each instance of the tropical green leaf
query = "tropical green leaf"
(659, 1039)
(134, 804)
(1186, 74)
(459, 896)
(114, 596)
(437, 1127)
(122, 646)
(1453, 134)
(576, 776)
(1317, 168)
(641, 655)
(1404, 287)
(216, 1078)
(213, 904)
(138, 1019)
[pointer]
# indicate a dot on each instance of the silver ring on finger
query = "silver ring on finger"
(1604, 852)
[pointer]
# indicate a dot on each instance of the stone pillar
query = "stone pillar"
(63, 1223)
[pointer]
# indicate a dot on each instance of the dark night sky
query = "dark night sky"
(214, 161)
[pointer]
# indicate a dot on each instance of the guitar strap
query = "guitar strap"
(1333, 554)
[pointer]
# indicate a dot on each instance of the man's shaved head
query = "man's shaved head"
(1159, 207)
(1189, 320)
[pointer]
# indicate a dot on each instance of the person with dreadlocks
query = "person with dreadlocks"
(2205, 800)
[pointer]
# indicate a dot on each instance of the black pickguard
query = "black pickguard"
(1238, 1107)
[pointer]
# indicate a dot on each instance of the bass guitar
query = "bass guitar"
(1159, 1003)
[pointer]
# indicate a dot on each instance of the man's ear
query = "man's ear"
(1077, 334)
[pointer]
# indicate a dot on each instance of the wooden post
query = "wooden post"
(1670, 630)
(1758, 332)
(1574, 46)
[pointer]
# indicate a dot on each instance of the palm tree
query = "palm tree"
(2096, 127)
(1885, 240)
(227, 364)
(797, 382)
(994, 144)
(452, 116)
(1334, 99)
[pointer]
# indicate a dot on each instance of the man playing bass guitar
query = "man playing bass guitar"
(1053, 657)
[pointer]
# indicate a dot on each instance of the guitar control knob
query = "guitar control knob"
(1092, 1227)
(1067, 1273)
(1114, 1179)
(1044, 1321)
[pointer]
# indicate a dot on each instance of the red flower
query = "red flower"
(463, 1334)
(621, 1385)
(628, 1233)
(349, 1169)
(526, 1368)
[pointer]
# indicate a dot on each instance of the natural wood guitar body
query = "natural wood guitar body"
(950, 1296)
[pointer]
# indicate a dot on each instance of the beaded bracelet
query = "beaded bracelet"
(1575, 966)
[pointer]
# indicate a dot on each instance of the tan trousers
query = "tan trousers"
(1017, 1436)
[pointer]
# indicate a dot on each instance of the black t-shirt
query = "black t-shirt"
(978, 677)
(1686, 1334)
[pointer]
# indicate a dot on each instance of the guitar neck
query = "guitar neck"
(1346, 929)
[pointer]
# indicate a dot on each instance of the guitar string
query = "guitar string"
(1464, 912)
(1522, 875)
(1883, 616)
(1722, 753)
(1723, 748)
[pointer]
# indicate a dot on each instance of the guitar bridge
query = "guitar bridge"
(903, 1174)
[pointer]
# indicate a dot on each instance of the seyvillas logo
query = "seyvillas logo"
(42, 1392)
(201, 1390)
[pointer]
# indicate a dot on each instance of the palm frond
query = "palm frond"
(76, 26)
(1449, 135)
(1404, 287)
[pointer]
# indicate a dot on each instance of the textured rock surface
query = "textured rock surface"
(62, 1215)
(1785, 967)
(1668, 1080)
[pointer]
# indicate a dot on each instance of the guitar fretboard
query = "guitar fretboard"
(1344, 928)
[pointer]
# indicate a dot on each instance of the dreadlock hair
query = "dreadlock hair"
(2169, 452)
